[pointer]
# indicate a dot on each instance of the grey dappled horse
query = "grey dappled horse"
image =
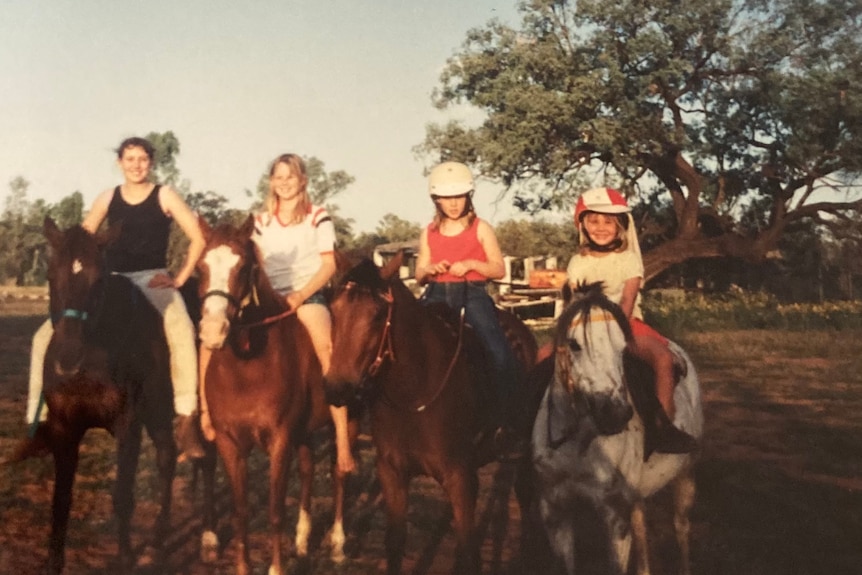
(588, 441)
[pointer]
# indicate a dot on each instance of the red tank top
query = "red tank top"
(464, 246)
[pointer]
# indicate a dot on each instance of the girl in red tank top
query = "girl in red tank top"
(458, 253)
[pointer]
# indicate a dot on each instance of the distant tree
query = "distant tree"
(167, 148)
(744, 116)
(21, 259)
(526, 238)
(390, 228)
(69, 211)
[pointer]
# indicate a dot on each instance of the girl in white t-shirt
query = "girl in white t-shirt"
(297, 242)
(610, 253)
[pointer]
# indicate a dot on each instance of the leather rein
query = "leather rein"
(385, 350)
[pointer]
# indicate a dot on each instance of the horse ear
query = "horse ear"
(392, 267)
(52, 232)
(342, 262)
(247, 227)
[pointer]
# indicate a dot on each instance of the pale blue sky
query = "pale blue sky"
(348, 81)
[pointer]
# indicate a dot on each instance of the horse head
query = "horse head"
(75, 270)
(361, 310)
(228, 270)
(591, 336)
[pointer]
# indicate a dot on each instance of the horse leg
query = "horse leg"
(337, 537)
(166, 462)
(209, 538)
(65, 465)
(305, 465)
(236, 468)
(560, 530)
(683, 501)
(279, 461)
(639, 534)
(393, 486)
(462, 487)
(618, 523)
(128, 449)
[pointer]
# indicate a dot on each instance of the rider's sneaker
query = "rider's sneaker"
(669, 439)
(188, 438)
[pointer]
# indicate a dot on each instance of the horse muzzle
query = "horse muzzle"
(610, 414)
(339, 393)
(213, 332)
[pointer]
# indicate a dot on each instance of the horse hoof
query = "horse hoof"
(209, 547)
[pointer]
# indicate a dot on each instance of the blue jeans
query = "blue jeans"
(481, 314)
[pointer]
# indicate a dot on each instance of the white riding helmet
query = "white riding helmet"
(450, 179)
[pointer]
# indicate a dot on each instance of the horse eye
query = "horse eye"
(574, 346)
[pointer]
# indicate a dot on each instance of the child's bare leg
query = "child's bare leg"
(659, 357)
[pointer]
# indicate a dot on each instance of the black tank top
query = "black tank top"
(143, 240)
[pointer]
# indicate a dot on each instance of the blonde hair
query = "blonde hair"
(303, 204)
(622, 234)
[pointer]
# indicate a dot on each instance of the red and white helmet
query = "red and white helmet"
(601, 200)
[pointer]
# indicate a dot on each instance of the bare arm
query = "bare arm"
(494, 268)
(630, 294)
(425, 270)
(174, 206)
(320, 278)
(98, 212)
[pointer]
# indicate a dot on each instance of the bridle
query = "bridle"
(386, 350)
(567, 318)
(241, 304)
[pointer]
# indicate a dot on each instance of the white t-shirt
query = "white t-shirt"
(292, 252)
(613, 269)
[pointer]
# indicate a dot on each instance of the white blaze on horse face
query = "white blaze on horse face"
(600, 361)
(220, 262)
(77, 266)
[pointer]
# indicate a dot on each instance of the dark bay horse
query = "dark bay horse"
(106, 367)
(264, 388)
(588, 439)
(431, 400)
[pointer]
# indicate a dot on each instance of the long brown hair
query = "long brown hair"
(439, 215)
(303, 204)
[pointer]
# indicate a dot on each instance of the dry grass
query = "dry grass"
(780, 480)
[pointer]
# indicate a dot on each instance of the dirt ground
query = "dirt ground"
(779, 481)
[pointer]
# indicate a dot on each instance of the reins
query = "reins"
(386, 350)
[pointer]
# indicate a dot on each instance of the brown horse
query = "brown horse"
(264, 388)
(431, 401)
(106, 367)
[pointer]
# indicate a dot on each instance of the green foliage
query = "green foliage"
(676, 311)
(736, 111)
(391, 228)
(524, 238)
(167, 148)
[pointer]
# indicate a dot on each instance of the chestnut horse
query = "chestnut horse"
(431, 400)
(588, 439)
(106, 367)
(264, 389)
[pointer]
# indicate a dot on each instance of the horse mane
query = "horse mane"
(585, 297)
